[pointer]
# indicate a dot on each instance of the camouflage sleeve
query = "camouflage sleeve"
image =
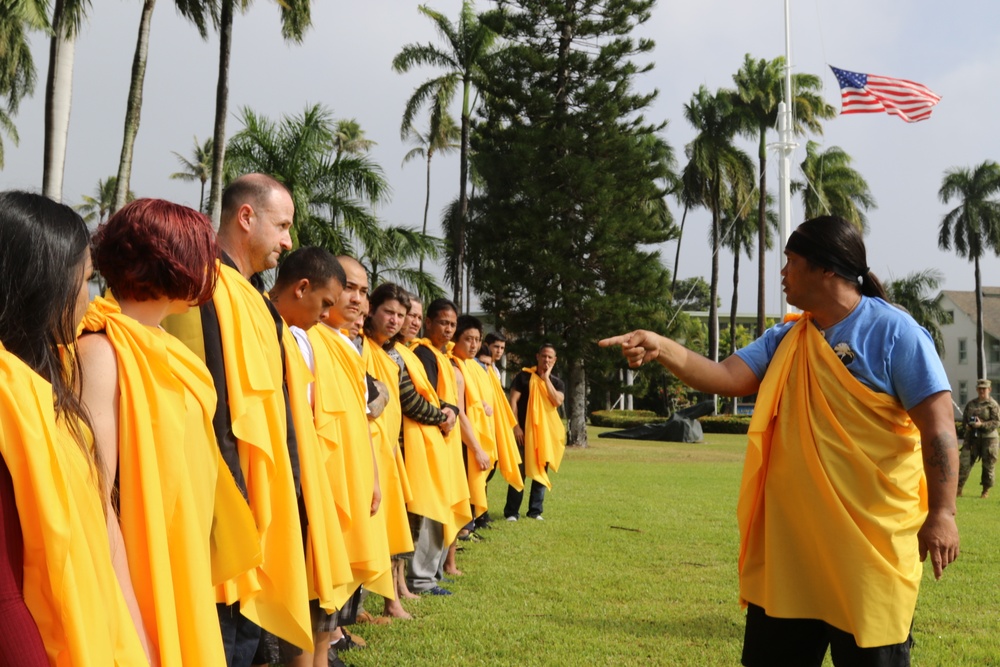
(993, 412)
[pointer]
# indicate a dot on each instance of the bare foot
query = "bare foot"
(407, 595)
(453, 571)
(394, 609)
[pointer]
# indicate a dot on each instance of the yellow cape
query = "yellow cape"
(328, 566)
(395, 486)
(342, 426)
(504, 421)
(69, 583)
(173, 488)
(478, 390)
(544, 434)
(457, 484)
(274, 596)
(832, 496)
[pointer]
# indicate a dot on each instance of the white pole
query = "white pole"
(786, 147)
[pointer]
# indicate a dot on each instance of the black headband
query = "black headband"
(802, 245)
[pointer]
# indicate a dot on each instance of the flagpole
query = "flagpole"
(786, 147)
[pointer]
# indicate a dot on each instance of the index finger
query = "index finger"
(615, 340)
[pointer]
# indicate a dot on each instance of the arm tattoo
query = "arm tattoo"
(938, 455)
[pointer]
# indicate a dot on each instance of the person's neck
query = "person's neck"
(441, 345)
(837, 309)
(236, 253)
(149, 313)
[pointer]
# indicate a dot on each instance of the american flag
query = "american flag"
(869, 93)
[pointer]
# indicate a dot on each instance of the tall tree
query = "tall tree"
(17, 67)
(917, 293)
(721, 165)
(348, 137)
(759, 90)
(97, 207)
(295, 20)
(197, 168)
(833, 187)
(442, 137)
(67, 18)
(571, 175)
(973, 227)
(468, 44)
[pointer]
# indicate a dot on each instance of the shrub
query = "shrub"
(725, 424)
(624, 418)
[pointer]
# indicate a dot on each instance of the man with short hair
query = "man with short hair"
(308, 284)
(535, 397)
(497, 345)
(428, 564)
(850, 474)
(980, 418)
(239, 335)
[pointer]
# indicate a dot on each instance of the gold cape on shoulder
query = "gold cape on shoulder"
(544, 434)
(508, 456)
(173, 488)
(342, 426)
(67, 560)
(832, 496)
(274, 596)
(478, 391)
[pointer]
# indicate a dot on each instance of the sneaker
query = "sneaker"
(512, 518)
(333, 660)
(437, 590)
(537, 518)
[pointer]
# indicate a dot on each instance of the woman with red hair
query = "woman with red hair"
(151, 401)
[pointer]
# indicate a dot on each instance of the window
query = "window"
(963, 351)
(994, 351)
(963, 392)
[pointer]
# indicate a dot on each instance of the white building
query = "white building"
(959, 355)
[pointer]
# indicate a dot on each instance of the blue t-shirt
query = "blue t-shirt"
(881, 345)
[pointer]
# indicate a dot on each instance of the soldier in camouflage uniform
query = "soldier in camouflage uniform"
(981, 419)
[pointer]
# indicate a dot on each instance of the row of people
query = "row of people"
(221, 494)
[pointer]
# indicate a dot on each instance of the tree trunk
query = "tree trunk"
(58, 99)
(713, 292)
(761, 234)
(201, 198)
(576, 394)
(221, 109)
(980, 349)
(732, 313)
(677, 255)
(427, 204)
(133, 107)
(463, 195)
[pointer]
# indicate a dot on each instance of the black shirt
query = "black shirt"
(522, 383)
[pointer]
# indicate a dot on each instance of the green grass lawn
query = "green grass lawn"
(635, 564)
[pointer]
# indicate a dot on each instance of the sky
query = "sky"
(345, 59)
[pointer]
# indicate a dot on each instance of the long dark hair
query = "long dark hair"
(834, 244)
(41, 246)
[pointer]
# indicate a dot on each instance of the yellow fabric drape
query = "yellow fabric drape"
(457, 485)
(170, 472)
(342, 427)
(328, 567)
(544, 434)
(69, 583)
(832, 496)
(274, 596)
(504, 419)
(477, 391)
(385, 438)
(428, 465)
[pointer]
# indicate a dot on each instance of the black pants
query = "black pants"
(535, 498)
(802, 642)
(240, 636)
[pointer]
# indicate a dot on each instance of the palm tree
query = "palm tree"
(17, 67)
(99, 206)
(67, 19)
(441, 137)
(973, 227)
(468, 44)
(348, 137)
(295, 20)
(913, 293)
(722, 165)
(198, 168)
(759, 89)
(388, 260)
(833, 186)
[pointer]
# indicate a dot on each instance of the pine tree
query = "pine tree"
(574, 180)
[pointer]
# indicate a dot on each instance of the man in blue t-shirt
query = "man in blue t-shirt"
(858, 472)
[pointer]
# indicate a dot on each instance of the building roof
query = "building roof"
(966, 302)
